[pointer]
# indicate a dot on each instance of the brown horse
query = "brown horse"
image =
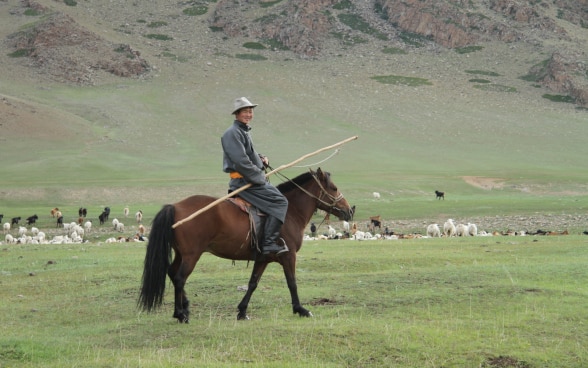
(224, 230)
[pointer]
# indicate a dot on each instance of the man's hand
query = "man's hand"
(265, 161)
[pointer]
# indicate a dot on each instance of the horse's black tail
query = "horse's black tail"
(157, 259)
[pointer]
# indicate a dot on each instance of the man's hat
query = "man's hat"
(240, 103)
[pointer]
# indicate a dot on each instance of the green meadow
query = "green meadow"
(449, 302)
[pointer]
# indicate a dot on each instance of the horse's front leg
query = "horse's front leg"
(258, 269)
(289, 266)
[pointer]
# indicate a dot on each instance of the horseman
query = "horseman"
(245, 166)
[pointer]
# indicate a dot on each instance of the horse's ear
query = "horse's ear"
(319, 172)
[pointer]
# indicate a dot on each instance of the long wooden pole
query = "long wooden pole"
(237, 191)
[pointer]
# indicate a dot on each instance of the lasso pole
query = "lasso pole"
(237, 191)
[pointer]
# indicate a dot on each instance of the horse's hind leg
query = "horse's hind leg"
(179, 271)
(258, 269)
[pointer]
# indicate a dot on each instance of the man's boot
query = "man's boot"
(271, 237)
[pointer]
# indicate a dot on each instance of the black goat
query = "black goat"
(60, 221)
(440, 195)
(31, 220)
(103, 216)
(15, 220)
(82, 212)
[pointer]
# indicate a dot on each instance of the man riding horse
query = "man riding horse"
(245, 166)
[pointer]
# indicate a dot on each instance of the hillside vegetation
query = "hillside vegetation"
(117, 101)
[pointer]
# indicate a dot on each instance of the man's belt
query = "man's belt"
(235, 175)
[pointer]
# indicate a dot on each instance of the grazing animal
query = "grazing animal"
(433, 231)
(54, 212)
(472, 229)
(332, 232)
(449, 228)
(461, 230)
(6, 227)
(376, 195)
(32, 219)
(139, 216)
(224, 230)
(15, 220)
(82, 212)
(102, 218)
(60, 221)
(346, 226)
(106, 213)
(1, 217)
(126, 211)
(375, 222)
(141, 230)
(439, 195)
(88, 226)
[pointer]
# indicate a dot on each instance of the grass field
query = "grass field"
(467, 302)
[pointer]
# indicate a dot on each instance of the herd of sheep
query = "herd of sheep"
(71, 233)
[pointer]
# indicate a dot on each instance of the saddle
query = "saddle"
(256, 220)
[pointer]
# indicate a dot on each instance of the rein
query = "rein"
(331, 206)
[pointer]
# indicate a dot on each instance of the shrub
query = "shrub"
(559, 98)
(157, 24)
(400, 80)
(475, 80)
(196, 10)
(468, 49)
(495, 88)
(161, 37)
(254, 46)
(267, 4)
(254, 57)
(483, 72)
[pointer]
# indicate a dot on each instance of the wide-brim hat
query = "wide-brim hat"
(240, 103)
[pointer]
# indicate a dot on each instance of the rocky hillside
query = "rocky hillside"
(58, 44)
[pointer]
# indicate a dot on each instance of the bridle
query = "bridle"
(330, 206)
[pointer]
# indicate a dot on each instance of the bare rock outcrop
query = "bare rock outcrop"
(566, 72)
(69, 53)
(299, 26)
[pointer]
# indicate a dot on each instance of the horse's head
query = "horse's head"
(330, 198)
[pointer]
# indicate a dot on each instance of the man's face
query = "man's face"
(245, 115)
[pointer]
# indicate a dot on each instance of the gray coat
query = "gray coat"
(240, 156)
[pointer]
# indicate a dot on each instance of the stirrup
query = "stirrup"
(275, 248)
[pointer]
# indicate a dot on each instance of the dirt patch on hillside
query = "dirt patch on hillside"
(484, 183)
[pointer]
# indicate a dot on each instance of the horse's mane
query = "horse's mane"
(300, 180)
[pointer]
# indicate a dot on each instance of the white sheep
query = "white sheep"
(332, 232)
(461, 230)
(433, 231)
(88, 226)
(9, 239)
(141, 230)
(376, 195)
(34, 231)
(120, 227)
(126, 211)
(449, 228)
(346, 226)
(472, 229)
(139, 216)
(115, 223)
(6, 227)
(22, 230)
